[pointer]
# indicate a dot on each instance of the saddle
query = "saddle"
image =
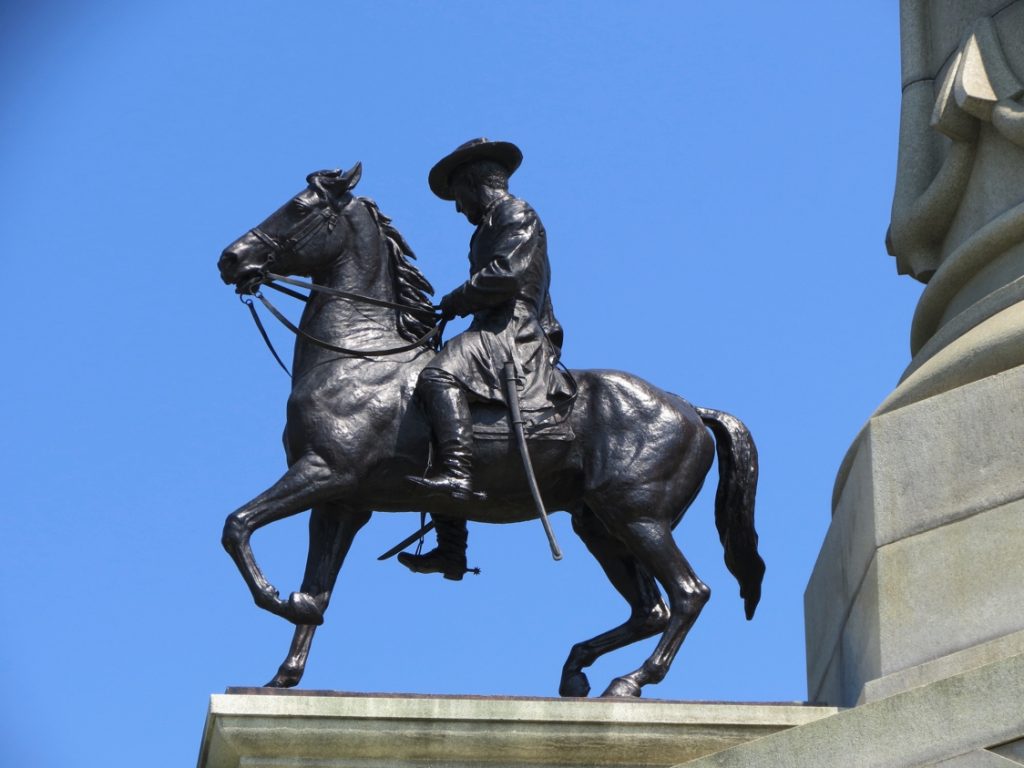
(491, 422)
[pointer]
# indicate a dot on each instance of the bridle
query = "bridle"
(298, 235)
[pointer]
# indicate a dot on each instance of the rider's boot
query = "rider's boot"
(448, 411)
(449, 557)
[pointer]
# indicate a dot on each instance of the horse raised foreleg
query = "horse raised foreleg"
(331, 530)
(651, 542)
(308, 481)
(649, 613)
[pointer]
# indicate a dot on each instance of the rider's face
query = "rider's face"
(468, 199)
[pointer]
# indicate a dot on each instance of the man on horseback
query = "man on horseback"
(513, 321)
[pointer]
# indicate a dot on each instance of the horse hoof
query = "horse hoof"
(622, 687)
(285, 678)
(302, 609)
(574, 685)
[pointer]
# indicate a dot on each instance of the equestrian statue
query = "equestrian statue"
(487, 427)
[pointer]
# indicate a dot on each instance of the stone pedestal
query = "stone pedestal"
(308, 728)
(925, 554)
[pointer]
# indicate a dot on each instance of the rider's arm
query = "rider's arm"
(499, 280)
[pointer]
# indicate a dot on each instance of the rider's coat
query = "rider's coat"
(507, 294)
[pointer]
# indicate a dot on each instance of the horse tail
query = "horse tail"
(734, 502)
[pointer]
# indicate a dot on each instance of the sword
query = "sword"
(512, 393)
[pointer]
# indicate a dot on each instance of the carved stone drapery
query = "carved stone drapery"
(958, 208)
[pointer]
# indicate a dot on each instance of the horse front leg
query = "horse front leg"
(308, 481)
(331, 530)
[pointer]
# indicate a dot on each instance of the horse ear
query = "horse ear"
(351, 177)
(333, 185)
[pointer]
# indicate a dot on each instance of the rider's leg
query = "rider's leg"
(447, 408)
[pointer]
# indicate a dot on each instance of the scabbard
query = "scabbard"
(516, 417)
(406, 542)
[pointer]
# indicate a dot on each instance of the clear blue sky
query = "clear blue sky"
(715, 180)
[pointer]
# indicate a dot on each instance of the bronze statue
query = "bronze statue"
(623, 457)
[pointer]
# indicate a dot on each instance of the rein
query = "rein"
(436, 331)
(433, 312)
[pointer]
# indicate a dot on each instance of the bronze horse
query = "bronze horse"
(638, 460)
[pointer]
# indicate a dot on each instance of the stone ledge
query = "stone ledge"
(943, 667)
(979, 709)
(326, 729)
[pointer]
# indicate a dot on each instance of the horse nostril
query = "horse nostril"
(227, 263)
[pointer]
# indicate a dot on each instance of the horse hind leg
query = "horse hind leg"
(331, 531)
(305, 483)
(649, 615)
(650, 540)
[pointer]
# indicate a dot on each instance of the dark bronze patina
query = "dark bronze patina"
(624, 458)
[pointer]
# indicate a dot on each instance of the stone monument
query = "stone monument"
(921, 572)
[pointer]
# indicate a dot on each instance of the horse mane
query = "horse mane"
(411, 287)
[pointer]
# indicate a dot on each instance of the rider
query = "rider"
(507, 294)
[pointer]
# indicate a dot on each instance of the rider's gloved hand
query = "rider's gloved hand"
(449, 307)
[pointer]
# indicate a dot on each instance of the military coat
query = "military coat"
(513, 320)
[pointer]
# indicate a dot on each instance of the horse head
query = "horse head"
(295, 239)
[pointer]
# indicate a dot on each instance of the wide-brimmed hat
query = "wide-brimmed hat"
(502, 152)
